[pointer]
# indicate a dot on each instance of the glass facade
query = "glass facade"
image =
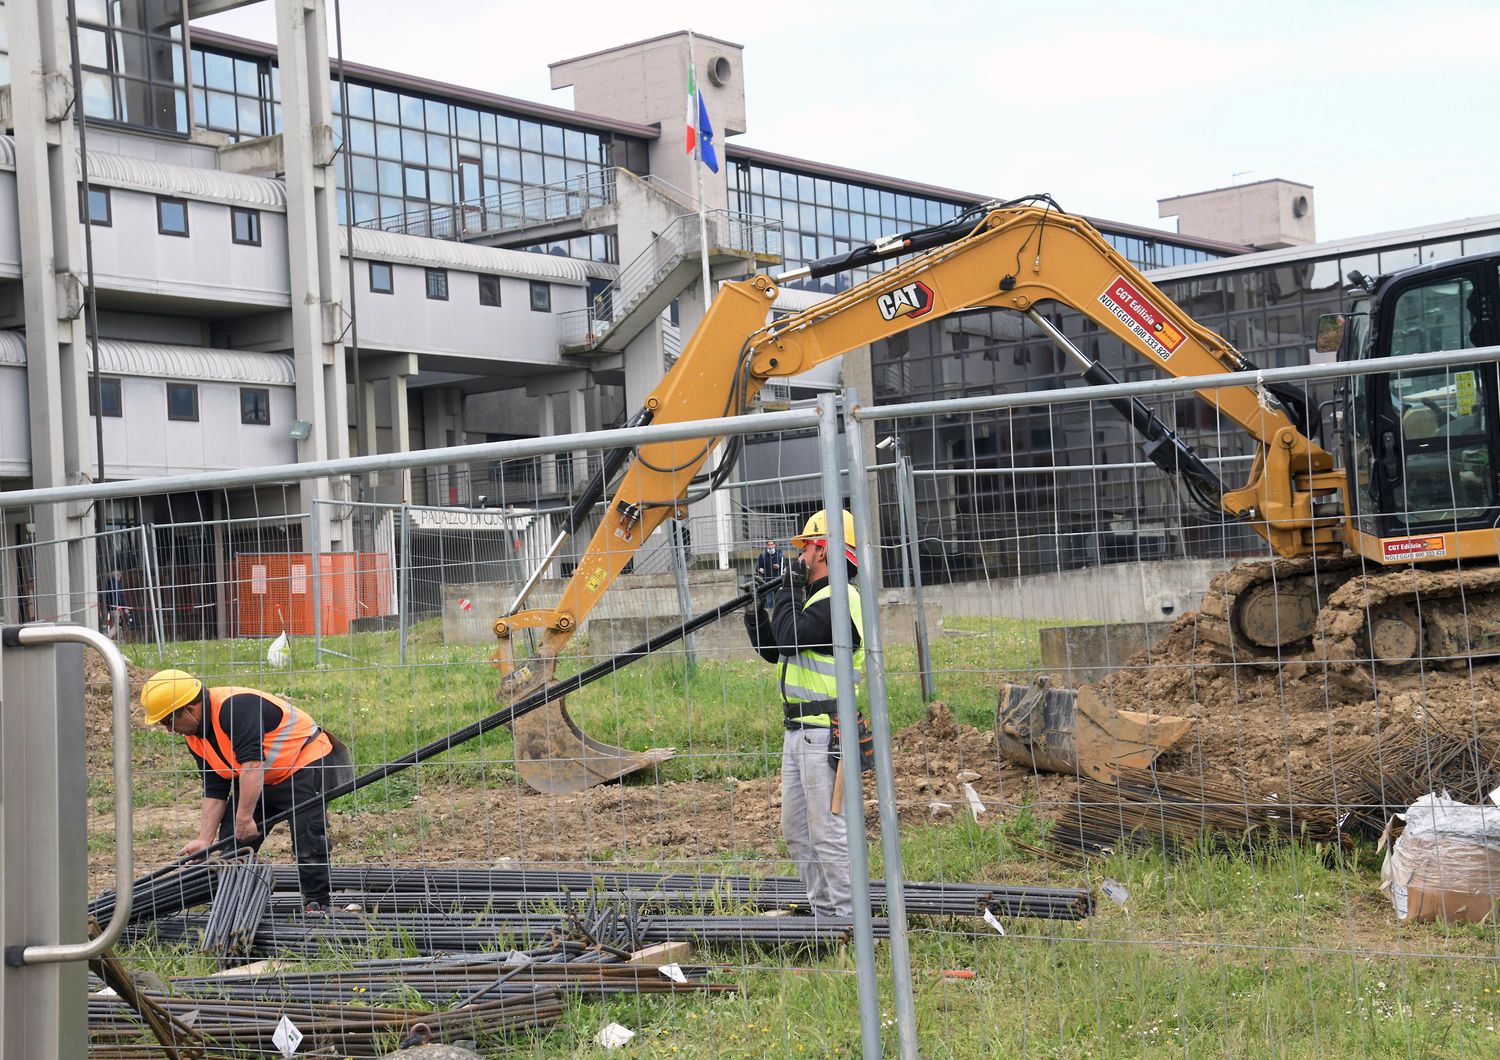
(412, 153)
(1028, 522)
(822, 216)
(235, 95)
(134, 71)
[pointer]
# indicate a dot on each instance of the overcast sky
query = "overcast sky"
(1387, 108)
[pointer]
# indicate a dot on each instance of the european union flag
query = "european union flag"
(706, 138)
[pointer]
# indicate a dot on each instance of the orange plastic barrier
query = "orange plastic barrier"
(274, 592)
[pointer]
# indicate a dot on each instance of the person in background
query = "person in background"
(771, 563)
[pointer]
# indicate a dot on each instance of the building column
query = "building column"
(313, 250)
(548, 477)
(442, 425)
(57, 361)
(578, 423)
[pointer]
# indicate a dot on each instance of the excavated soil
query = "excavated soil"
(1291, 729)
(674, 823)
(1297, 726)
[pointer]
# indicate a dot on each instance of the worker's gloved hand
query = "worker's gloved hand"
(796, 575)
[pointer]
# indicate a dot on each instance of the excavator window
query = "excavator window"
(1446, 472)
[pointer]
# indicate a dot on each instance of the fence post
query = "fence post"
(854, 804)
(153, 580)
(315, 539)
(403, 580)
(880, 728)
(153, 588)
(907, 491)
(684, 599)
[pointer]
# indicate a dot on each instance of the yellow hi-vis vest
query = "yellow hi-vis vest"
(810, 676)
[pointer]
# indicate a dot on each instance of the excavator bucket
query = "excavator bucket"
(555, 757)
(1061, 730)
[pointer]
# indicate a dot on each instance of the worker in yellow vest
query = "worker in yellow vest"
(259, 756)
(798, 633)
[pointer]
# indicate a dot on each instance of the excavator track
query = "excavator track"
(1347, 613)
(1400, 617)
(1267, 611)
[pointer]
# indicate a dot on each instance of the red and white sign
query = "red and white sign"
(1142, 317)
(1400, 548)
(465, 604)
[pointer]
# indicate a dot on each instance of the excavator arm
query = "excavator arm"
(1006, 256)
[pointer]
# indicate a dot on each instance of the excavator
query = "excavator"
(1388, 554)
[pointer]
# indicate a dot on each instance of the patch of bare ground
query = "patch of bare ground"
(671, 824)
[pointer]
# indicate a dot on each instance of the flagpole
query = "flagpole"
(721, 500)
(708, 289)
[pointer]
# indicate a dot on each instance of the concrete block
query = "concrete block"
(1085, 654)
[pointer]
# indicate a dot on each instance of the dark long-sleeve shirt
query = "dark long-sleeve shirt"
(246, 718)
(790, 627)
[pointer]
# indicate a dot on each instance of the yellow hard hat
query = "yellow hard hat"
(816, 531)
(168, 691)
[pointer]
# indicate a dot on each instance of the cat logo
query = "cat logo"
(914, 300)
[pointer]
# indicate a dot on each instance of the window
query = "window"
(171, 216)
(245, 225)
(382, 278)
(108, 397)
(255, 405)
(182, 401)
(96, 207)
(489, 290)
(437, 284)
(541, 297)
(133, 64)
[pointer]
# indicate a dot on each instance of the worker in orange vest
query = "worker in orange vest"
(258, 754)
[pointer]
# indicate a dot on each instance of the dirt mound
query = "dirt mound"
(1294, 726)
(98, 702)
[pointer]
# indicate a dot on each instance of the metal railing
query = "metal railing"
(510, 211)
(728, 232)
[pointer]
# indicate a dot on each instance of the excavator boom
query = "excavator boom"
(1008, 256)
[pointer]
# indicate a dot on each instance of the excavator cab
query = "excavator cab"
(1420, 446)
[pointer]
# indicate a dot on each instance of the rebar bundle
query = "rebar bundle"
(1144, 810)
(442, 892)
(245, 1027)
(240, 901)
(1411, 760)
(468, 995)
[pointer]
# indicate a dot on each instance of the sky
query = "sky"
(1388, 109)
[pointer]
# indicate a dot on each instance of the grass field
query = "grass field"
(1288, 951)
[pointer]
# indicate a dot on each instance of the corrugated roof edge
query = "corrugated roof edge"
(443, 253)
(442, 88)
(168, 178)
(160, 360)
(881, 180)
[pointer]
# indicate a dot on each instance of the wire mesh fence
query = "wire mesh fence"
(1182, 839)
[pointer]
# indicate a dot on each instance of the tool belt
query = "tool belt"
(793, 713)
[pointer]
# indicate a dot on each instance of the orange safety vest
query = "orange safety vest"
(296, 742)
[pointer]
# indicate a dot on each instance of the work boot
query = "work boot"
(315, 909)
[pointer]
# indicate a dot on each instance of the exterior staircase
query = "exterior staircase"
(667, 267)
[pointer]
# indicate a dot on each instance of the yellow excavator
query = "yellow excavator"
(1387, 555)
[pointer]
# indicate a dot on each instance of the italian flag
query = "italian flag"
(692, 111)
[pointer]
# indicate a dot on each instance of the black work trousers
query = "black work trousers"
(309, 826)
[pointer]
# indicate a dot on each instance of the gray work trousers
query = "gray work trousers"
(816, 838)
